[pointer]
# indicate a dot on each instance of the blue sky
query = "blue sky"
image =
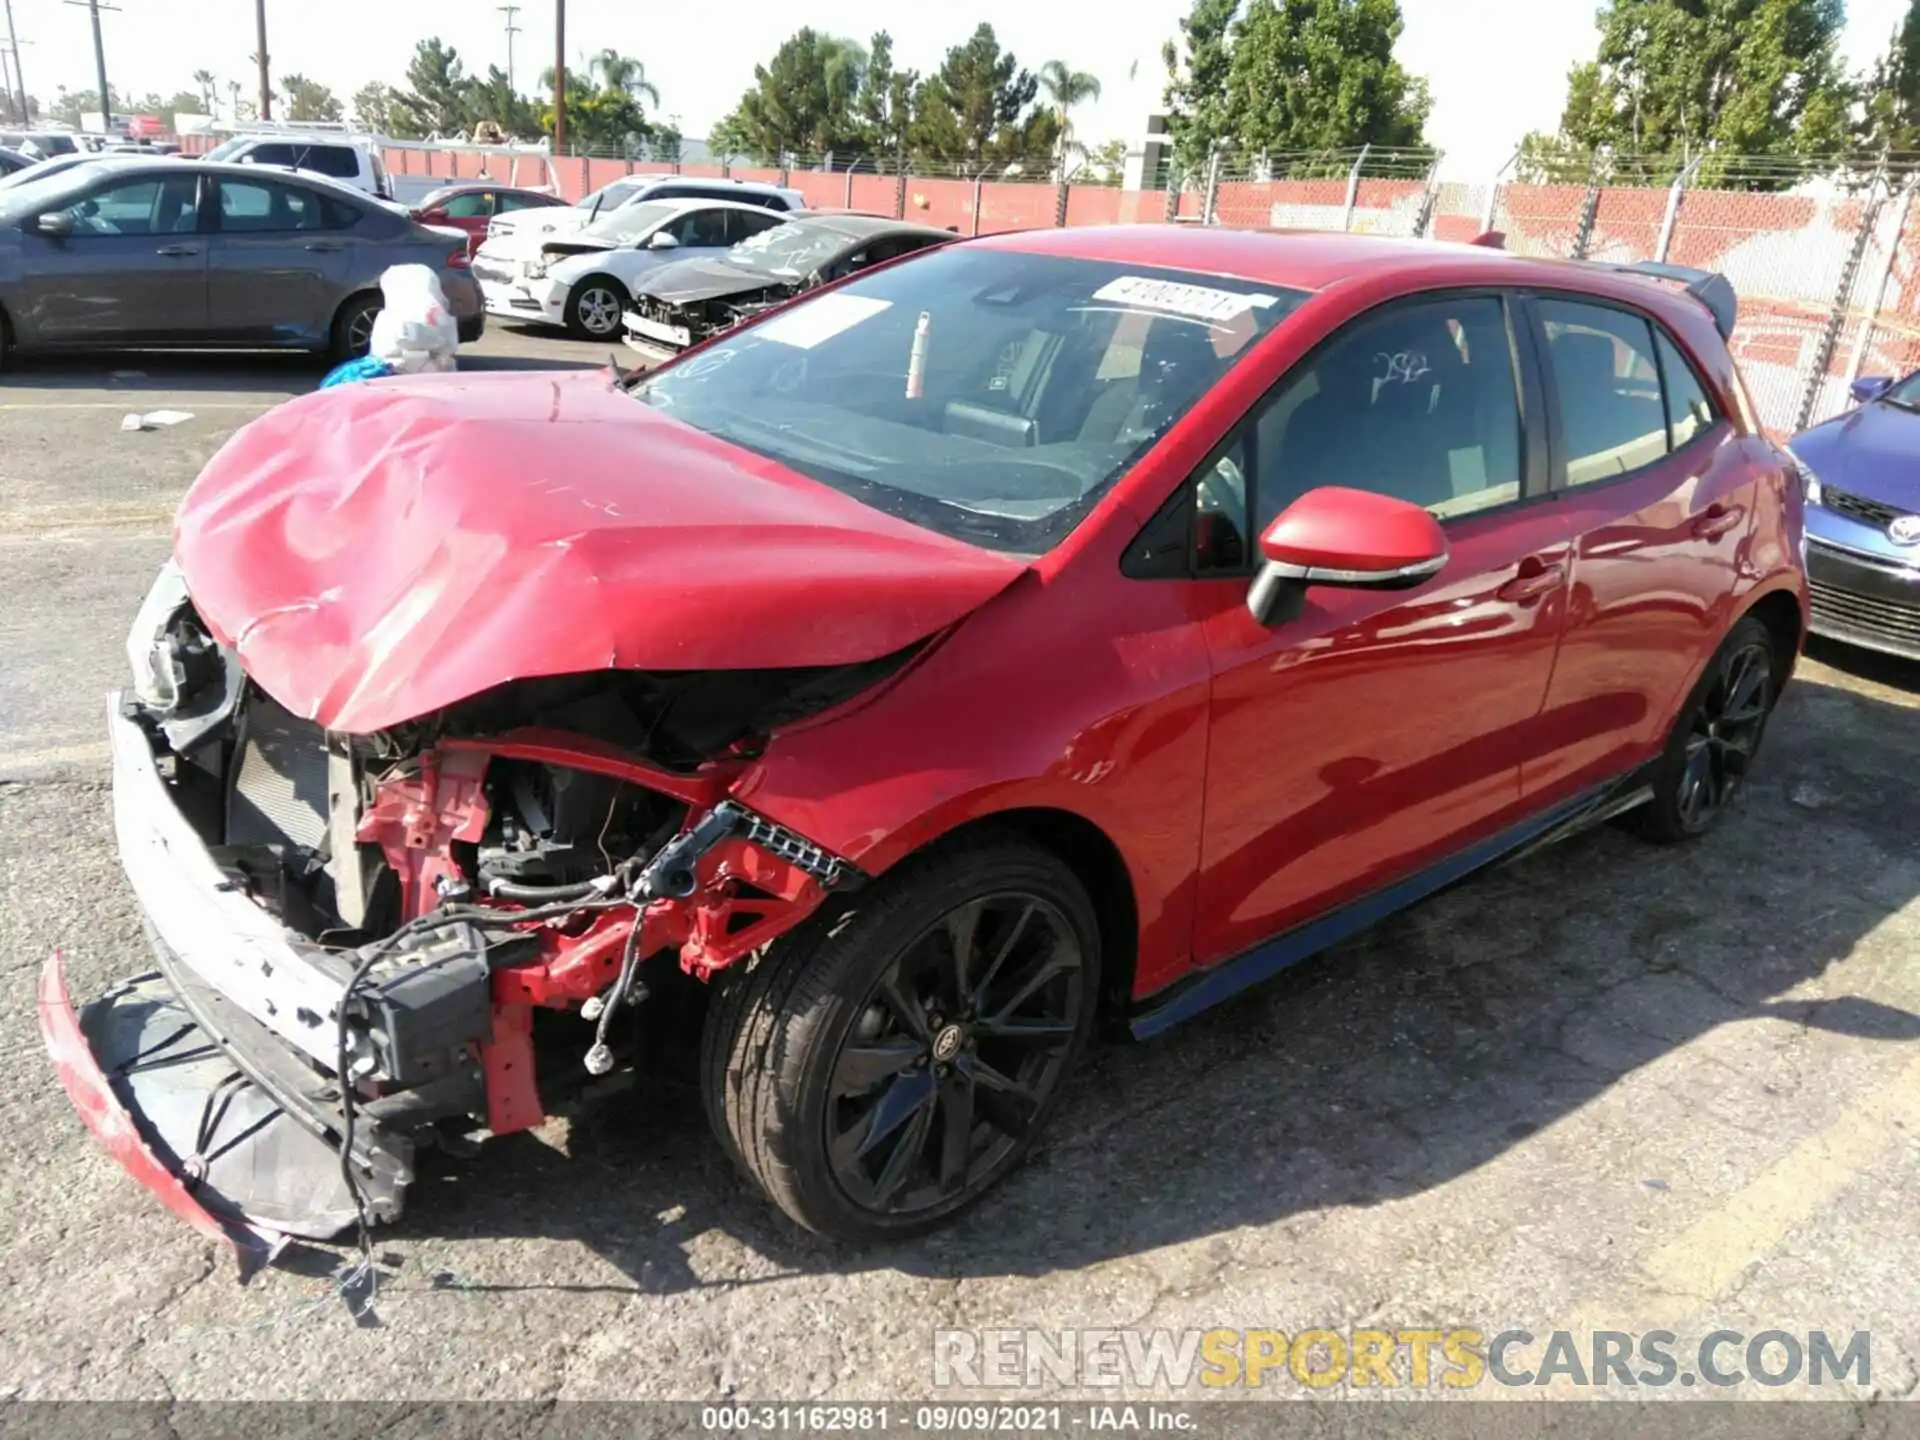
(1497, 67)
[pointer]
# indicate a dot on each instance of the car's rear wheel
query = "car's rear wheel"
(1715, 739)
(6, 342)
(353, 328)
(594, 308)
(886, 1064)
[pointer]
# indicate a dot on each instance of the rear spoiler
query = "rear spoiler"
(1709, 287)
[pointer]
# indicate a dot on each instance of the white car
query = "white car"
(560, 219)
(585, 279)
(348, 160)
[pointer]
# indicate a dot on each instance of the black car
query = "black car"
(681, 304)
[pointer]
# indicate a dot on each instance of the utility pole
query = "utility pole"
(512, 30)
(13, 43)
(94, 7)
(559, 76)
(260, 54)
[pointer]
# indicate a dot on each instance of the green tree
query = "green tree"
(1198, 64)
(184, 102)
(973, 111)
(309, 99)
(377, 107)
(1065, 88)
(885, 102)
(802, 101)
(600, 120)
(1744, 78)
(1315, 75)
(623, 74)
(494, 98)
(439, 97)
(1891, 119)
(209, 90)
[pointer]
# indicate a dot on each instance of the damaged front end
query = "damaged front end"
(355, 934)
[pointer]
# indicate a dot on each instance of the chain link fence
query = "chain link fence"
(1822, 253)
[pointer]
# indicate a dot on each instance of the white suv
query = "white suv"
(348, 161)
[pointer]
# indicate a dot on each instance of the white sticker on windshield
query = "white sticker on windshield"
(806, 325)
(1201, 302)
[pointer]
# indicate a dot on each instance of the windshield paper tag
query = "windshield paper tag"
(1198, 301)
(805, 326)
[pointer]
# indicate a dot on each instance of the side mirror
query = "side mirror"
(431, 217)
(1871, 387)
(54, 224)
(1354, 539)
(662, 241)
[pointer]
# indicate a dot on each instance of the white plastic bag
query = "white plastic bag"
(415, 332)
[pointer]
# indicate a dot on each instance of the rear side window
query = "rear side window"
(251, 206)
(1688, 410)
(336, 160)
(1613, 419)
(742, 223)
(472, 205)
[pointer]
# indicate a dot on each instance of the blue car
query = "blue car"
(1862, 474)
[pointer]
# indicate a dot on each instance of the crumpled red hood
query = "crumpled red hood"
(381, 549)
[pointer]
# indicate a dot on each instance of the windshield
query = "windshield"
(991, 395)
(608, 196)
(791, 250)
(1906, 394)
(32, 191)
(43, 170)
(630, 223)
(224, 149)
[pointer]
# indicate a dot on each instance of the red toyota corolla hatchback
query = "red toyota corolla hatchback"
(1054, 627)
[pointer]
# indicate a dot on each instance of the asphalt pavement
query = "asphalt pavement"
(1610, 1086)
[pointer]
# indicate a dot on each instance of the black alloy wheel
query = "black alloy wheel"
(1725, 733)
(963, 1038)
(886, 1063)
(1711, 748)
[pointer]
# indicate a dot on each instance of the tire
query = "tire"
(6, 343)
(818, 1085)
(596, 301)
(1715, 738)
(353, 327)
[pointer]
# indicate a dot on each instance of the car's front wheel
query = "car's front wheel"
(887, 1063)
(594, 308)
(1715, 739)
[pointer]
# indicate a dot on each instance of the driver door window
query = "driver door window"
(472, 205)
(152, 206)
(703, 228)
(1418, 401)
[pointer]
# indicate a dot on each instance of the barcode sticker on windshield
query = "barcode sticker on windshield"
(1201, 302)
(807, 324)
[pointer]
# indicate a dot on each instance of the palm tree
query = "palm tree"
(204, 79)
(624, 73)
(1066, 88)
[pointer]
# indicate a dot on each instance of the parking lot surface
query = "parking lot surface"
(1608, 1086)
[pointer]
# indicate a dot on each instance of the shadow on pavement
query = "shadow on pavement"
(1398, 1062)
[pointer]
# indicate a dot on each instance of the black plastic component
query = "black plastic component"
(426, 1014)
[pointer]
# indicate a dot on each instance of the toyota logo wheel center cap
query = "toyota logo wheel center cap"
(946, 1044)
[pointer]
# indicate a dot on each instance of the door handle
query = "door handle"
(1717, 519)
(178, 250)
(1534, 578)
(325, 245)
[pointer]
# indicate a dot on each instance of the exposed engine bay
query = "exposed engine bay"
(367, 923)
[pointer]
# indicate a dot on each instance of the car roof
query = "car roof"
(716, 182)
(860, 227)
(461, 187)
(1316, 260)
